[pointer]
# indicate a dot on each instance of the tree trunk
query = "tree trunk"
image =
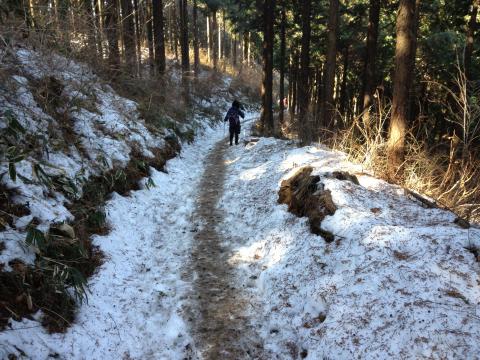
(343, 90)
(158, 30)
(128, 34)
(90, 27)
(99, 25)
(294, 87)
(412, 107)
(245, 48)
(149, 24)
(328, 105)
(401, 86)
(174, 29)
(214, 37)
(282, 62)
(196, 50)
(234, 50)
(184, 35)
(266, 117)
(209, 40)
(472, 27)
(220, 41)
(139, 35)
(318, 99)
(169, 29)
(63, 15)
(369, 80)
(111, 23)
(303, 79)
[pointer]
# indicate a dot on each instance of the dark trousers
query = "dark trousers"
(234, 132)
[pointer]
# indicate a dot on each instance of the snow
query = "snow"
(397, 282)
(380, 290)
(136, 301)
(383, 285)
(105, 138)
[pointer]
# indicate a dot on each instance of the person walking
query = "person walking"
(233, 118)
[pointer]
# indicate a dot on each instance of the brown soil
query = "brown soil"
(220, 326)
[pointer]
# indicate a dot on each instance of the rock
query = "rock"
(462, 223)
(345, 176)
(63, 230)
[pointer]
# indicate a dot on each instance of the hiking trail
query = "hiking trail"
(219, 324)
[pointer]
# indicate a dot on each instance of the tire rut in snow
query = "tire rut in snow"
(220, 327)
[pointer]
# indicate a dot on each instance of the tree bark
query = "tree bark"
(209, 40)
(294, 87)
(158, 30)
(283, 21)
(328, 105)
(369, 80)
(246, 48)
(401, 87)
(266, 117)
(149, 28)
(174, 28)
(99, 25)
(412, 108)
(128, 33)
(90, 28)
(234, 50)
(472, 27)
(318, 99)
(138, 33)
(303, 80)
(343, 90)
(64, 23)
(214, 38)
(196, 50)
(111, 23)
(184, 35)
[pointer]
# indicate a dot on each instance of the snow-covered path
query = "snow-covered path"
(218, 307)
(137, 300)
(207, 265)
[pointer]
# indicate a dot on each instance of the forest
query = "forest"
(393, 83)
(362, 117)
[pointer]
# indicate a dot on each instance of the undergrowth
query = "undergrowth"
(449, 172)
(65, 255)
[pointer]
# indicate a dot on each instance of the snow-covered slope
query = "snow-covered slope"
(135, 306)
(94, 130)
(76, 127)
(396, 283)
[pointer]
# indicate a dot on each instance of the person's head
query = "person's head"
(236, 104)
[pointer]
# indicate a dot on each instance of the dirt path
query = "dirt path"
(220, 329)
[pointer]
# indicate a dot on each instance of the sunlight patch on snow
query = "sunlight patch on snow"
(231, 161)
(270, 255)
(253, 173)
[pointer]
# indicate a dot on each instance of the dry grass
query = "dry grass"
(247, 81)
(451, 178)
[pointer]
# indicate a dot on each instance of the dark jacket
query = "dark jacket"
(233, 118)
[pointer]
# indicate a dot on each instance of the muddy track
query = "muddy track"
(220, 328)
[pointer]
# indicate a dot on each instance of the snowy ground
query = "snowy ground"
(397, 283)
(135, 305)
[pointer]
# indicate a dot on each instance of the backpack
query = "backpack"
(233, 118)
